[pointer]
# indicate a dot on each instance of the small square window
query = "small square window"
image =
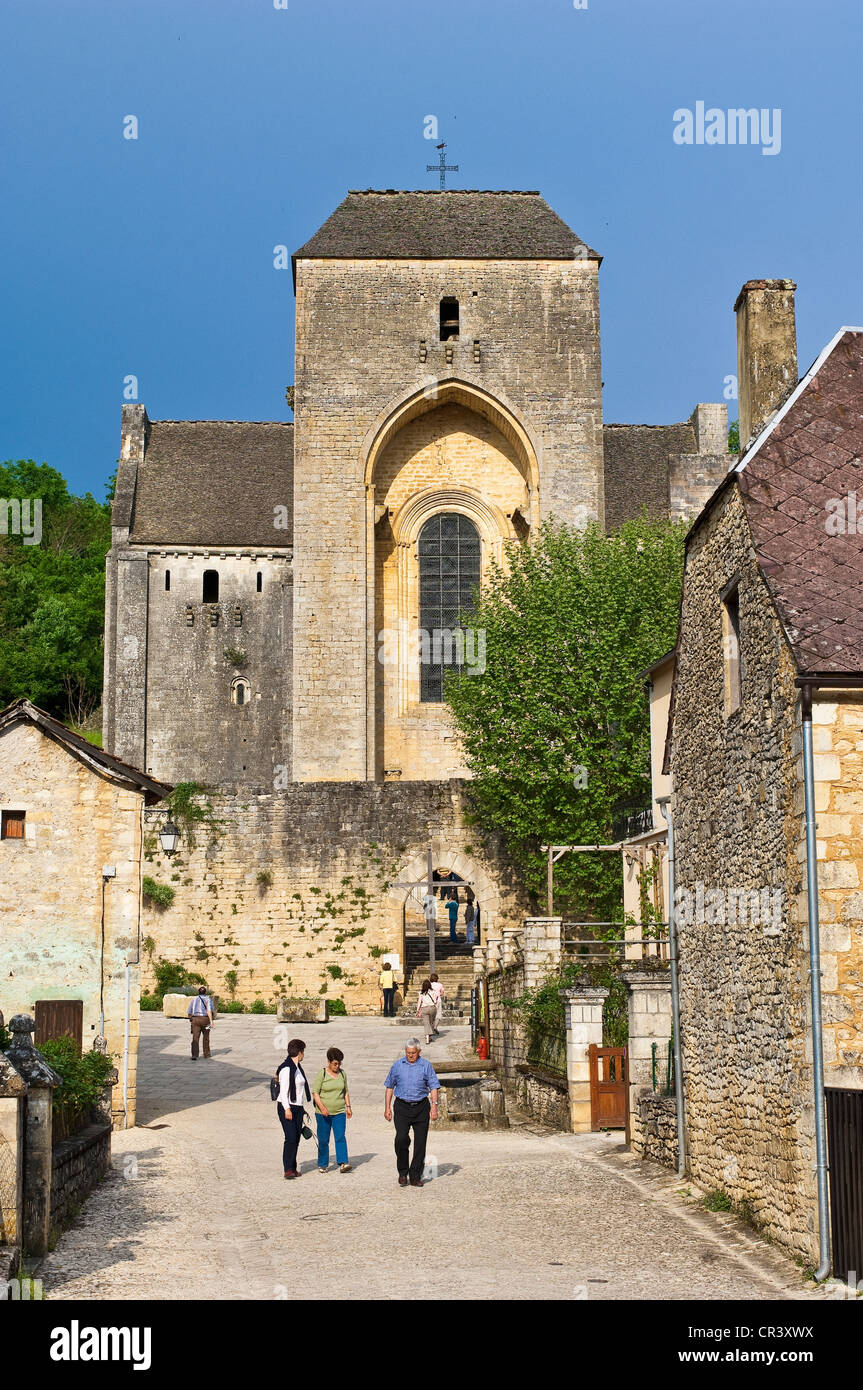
(12, 825)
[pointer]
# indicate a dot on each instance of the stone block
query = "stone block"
(839, 873)
(175, 1005)
(314, 1010)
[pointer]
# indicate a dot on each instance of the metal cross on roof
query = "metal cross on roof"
(442, 167)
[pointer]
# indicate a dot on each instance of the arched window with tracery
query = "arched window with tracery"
(449, 574)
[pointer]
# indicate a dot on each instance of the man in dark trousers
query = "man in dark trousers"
(413, 1082)
(200, 1015)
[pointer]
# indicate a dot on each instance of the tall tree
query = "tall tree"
(556, 729)
(52, 594)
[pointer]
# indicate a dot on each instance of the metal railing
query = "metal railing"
(662, 1068)
(646, 946)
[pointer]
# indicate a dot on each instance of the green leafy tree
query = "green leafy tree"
(556, 730)
(52, 596)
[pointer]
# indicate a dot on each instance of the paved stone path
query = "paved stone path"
(196, 1205)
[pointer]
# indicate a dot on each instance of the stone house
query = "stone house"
(71, 836)
(771, 630)
(274, 589)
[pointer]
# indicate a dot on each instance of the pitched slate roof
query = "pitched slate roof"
(214, 482)
(809, 455)
(95, 758)
(469, 224)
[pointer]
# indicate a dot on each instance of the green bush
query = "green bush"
(234, 1006)
(170, 975)
(149, 1003)
(718, 1201)
(5, 1038)
(84, 1079)
(258, 1007)
(156, 894)
(337, 1007)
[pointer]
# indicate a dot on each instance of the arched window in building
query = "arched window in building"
(211, 586)
(449, 574)
(241, 692)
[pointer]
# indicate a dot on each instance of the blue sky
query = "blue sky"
(154, 257)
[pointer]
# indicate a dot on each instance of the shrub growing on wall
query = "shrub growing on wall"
(84, 1079)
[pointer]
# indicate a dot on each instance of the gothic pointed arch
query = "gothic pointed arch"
(451, 390)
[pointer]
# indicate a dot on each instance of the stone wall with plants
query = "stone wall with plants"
(290, 892)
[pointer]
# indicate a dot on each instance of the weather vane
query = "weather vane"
(442, 167)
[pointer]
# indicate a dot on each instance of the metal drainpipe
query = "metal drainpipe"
(665, 807)
(815, 985)
(126, 1047)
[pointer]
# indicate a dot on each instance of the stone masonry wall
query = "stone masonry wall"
(319, 925)
(744, 984)
(195, 730)
(653, 1129)
(77, 1165)
(359, 328)
(546, 1099)
(837, 737)
(51, 906)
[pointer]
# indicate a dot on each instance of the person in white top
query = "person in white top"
(437, 990)
(293, 1094)
(426, 1009)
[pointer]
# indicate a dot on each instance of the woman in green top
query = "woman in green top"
(332, 1111)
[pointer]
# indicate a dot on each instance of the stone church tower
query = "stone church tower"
(272, 588)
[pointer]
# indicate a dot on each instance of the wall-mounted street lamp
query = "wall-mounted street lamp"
(169, 836)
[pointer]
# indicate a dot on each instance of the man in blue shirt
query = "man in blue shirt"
(413, 1082)
(200, 1014)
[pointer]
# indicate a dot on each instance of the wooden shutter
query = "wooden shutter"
(12, 825)
(58, 1018)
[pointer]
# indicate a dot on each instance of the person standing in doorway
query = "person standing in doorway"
(200, 1015)
(413, 1082)
(469, 914)
(437, 990)
(426, 1009)
(452, 910)
(293, 1093)
(387, 982)
(333, 1107)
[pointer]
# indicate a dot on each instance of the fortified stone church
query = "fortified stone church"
(447, 399)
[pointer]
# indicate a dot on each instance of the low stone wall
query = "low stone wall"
(653, 1127)
(77, 1165)
(544, 1096)
(534, 1092)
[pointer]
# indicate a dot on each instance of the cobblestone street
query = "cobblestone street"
(196, 1205)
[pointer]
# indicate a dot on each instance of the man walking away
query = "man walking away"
(413, 1082)
(200, 1015)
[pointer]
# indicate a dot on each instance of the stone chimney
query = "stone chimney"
(766, 352)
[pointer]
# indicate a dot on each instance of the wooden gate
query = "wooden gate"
(58, 1018)
(845, 1140)
(609, 1087)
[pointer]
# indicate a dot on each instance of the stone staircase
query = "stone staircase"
(454, 966)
